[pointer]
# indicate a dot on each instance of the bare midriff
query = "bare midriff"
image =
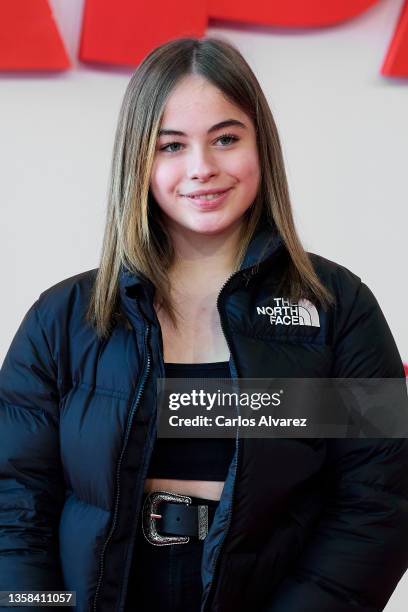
(207, 489)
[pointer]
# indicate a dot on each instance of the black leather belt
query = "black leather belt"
(170, 518)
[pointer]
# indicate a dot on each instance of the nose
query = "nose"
(201, 165)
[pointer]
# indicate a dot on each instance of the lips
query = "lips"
(202, 203)
(203, 193)
(207, 197)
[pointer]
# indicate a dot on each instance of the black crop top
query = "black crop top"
(193, 458)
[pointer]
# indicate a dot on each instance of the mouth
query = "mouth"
(208, 201)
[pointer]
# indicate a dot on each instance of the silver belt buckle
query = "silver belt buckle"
(151, 513)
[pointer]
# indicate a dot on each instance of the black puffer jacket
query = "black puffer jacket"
(303, 525)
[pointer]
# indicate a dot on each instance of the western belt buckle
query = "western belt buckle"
(150, 514)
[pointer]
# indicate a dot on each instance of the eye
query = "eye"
(230, 137)
(170, 144)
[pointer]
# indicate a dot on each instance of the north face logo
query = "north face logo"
(285, 312)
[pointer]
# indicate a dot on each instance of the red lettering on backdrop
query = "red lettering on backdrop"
(291, 13)
(124, 31)
(396, 60)
(29, 37)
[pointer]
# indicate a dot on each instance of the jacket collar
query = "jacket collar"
(265, 241)
(263, 245)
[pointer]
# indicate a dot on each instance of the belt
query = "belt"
(167, 513)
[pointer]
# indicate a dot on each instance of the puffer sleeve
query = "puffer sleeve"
(31, 479)
(358, 550)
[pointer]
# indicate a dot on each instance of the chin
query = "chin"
(210, 228)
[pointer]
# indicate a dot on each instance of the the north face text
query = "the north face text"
(285, 312)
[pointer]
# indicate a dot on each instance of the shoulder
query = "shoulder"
(66, 302)
(334, 275)
(349, 290)
(74, 287)
(345, 285)
(83, 281)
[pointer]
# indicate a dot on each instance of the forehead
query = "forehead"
(195, 104)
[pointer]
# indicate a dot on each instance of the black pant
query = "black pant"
(166, 578)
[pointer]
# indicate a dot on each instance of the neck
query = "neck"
(202, 258)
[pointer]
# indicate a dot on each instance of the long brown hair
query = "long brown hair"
(135, 233)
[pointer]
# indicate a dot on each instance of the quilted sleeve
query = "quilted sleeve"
(31, 480)
(359, 549)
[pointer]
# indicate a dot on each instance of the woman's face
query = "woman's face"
(206, 143)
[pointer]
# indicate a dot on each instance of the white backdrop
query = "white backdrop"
(344, 131)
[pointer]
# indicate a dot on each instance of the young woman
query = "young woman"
(199, 238)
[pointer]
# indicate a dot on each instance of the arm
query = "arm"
(358, 550)
(31, 480)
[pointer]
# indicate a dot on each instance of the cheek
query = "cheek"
(164, 177)
(246, 168)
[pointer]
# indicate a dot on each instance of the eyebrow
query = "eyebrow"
(214, 128)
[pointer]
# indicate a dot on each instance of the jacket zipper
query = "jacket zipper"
(152, 431)
(227, 528)
(119, 464)
(247, 273)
